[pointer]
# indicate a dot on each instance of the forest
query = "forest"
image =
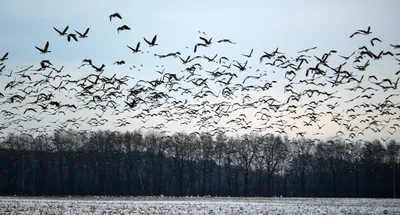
(198, 164)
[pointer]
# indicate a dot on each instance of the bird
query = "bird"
(306, 50)
(123, 28)
(4, 57)
(375, 39)
(368, 31)
(210, 59)
(115, 15)
(240, 66)
(199, 44)
(136, 50)
(249, 56)
(45, 50)
(348, 57)
(119, 62)
(73, 36)
(84, 35)
(207, 42)
(363, 32)
(153, 41)
(99, 69)
(89, 61)
(396, 46)
(62, 33)
(29, 109)
(225, 41)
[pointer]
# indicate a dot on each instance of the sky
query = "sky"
(258, 25)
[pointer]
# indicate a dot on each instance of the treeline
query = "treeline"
(132, 163)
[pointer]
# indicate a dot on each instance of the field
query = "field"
(196, 205)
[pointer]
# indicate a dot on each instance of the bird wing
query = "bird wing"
(204, 39)
(65, 29)
(79, 33)
(46, 46)
(39, 49)
(86, 32)
(74, 36)
(154, 39)
(57, 30)
(137, 46)
(146, 41)
(131, 48)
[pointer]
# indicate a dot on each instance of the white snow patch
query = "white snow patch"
(196, 205)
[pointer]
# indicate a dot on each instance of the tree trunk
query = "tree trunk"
(394, 180)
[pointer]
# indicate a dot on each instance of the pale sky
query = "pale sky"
(262, 25)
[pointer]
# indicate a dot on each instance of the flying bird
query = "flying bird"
(84, 35)
(45, 50)
(363, 32)
(306, 50)
(375, 39)
(199, 44)
(115, 15)
(73, 36)
(347, 57)
(136, 50)
(153, 41)
(207, 42)
(62, 33)
(123, 28)
(249, 55)
(98, 69)
(4, 57)
(225, 41)
(119, 62)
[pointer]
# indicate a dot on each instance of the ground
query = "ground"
(196, 205)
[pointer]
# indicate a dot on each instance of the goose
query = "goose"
(62, 33)
(119, 62)
(73, 36)
(115, 15)
(306, 50)
(99, 69)
(249, 55)
(123, 28)
(375, 39)
(84, 35)
(153, 41)
(45, 50)
(4, 57)
(135, 50)
(207, 42)
(225, 41)
(199, 44)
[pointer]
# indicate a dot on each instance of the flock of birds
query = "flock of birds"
(219, 100)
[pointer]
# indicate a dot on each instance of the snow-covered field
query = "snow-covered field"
(196, 205)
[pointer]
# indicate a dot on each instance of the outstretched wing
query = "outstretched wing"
(137, 46)
(154, 39)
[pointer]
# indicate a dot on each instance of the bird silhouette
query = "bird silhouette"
(84, 35)
(135, 50)
(62, 33)
(123, 28)
(45, 50)
(153, 41)
(115, 15)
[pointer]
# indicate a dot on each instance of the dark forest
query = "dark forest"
(142, 164)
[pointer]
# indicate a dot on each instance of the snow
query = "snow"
(196, 205)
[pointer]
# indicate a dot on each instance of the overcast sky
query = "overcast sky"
(262, 25)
